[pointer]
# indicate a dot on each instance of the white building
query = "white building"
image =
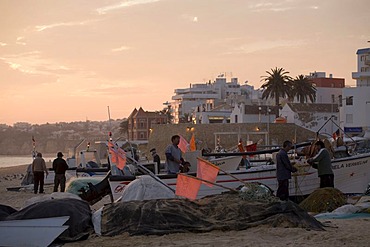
(194, 102)
(355, 107)
(328, 89)
(313, 116)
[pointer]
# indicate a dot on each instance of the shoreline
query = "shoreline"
(338, 232)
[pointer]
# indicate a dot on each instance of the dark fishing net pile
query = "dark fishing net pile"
(79, 212)
(323, 200)
(228, 211)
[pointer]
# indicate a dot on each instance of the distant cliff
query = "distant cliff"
(51, 138)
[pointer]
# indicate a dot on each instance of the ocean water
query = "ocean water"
(9, 161)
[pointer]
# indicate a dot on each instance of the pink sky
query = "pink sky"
(63, 61)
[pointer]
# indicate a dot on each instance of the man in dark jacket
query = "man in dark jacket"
(60, 166)
(284, 171)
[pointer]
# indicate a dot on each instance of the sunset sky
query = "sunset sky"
(64, 61)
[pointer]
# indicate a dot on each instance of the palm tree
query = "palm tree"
(277, 84)
(303, 89)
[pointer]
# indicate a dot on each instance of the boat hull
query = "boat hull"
(351, 176)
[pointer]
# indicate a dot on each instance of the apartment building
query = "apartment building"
(355, 101)
(201, 98)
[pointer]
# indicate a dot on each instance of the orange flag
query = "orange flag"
(192, 143)
(121, 162)
(113, 153)
(183, 145)
(187, 186)
(207, 171)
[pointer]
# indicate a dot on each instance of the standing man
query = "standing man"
(38, 169)
(284, 171)
(174, 156)
(322, 162)
(156, 158)
(60, 166)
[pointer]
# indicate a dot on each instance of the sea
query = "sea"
(17, 160)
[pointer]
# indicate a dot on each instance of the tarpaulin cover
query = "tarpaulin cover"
(5, 211)
(219, 212)
(79, 212)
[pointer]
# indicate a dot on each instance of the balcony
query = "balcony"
(358, 75)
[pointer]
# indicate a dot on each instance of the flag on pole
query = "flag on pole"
(336, 134)
(121, 158)
(187, 186)
(183, 145)
(207, 171)
(251, 148)
(113, 153)
(192, 143)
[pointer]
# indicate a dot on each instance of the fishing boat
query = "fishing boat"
(352, 176)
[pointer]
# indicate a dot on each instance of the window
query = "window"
(349, 100)
(349, 118)
(236, 118)
(142, 135)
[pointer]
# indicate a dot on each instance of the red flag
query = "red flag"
(121, 158)
(207, 171)
(187, 186)
(251, 148)
(183, 145)
(336, 134)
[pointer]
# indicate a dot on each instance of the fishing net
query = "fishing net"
(225, 212)
(257, 192)
(323, 200)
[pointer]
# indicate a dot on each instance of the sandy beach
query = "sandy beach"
(338, 232)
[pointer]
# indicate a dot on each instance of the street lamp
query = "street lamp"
(268, 125)
(259, 113)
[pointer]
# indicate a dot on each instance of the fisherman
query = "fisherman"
(60, 166)
(38, 170)
(174, 156)
(284, 171)
(322, 162)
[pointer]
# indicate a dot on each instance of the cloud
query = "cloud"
(272, 6)
(122, 48)
(20, 41)
(41, 28)
(113, 89)
(3, 44)
(123, 4)
(33, 63)
(279, 6)
(189, 17)
(264, 45)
